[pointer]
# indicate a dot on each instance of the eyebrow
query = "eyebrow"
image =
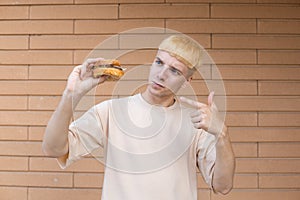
(159, 59)
(169, 66)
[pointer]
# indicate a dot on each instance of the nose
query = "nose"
(162, 75)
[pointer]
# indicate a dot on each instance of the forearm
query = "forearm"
(55, 142)
(224, 165)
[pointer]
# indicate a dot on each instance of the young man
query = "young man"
(153, 144)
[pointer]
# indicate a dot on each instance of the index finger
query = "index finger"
(192, 103)
(87, 66)
(89, 62)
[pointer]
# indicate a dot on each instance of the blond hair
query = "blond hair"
(184, 48)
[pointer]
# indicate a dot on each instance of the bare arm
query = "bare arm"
(224, 165)
(206, 118)
(55, 142)
(80, 81)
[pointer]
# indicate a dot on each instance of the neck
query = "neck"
(164, 101)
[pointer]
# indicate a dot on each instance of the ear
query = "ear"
(187, 81)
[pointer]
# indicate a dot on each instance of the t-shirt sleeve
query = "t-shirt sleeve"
(206, 156)
(86, 134)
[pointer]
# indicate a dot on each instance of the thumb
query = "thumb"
(210, 98)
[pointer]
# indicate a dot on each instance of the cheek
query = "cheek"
(175, 84)
(153, 71)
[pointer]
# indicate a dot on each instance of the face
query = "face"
(167, 75)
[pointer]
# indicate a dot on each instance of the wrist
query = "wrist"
(72, 97)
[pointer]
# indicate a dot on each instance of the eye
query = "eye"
(158, 62)
(175, 71)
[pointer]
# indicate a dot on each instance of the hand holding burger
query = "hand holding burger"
(92, 72)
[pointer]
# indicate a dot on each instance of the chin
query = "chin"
(160, 93)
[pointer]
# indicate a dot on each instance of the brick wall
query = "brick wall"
(255, 44)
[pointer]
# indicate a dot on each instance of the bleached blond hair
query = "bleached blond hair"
(184, 48)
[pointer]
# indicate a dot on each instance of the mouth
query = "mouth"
(157, 85)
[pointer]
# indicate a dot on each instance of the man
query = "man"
(153, 144)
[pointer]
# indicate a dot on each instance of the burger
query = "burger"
(110, 68)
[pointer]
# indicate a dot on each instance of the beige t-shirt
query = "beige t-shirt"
(150, 152)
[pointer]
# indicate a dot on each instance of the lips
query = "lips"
(157, 85)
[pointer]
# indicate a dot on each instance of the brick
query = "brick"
(254, 11)
(278, 57)
(36, 133)
(45, 164)
(13, 72)
(21, 148)
(126, 57)
(95, 1)
(279, 119)
(141, 1)
(49, 72)
(264, 134)
(278, 26)
(14, 12)
(210, 1)
(24, 117)
(13, 133)
(74, 12)
(36, 27)
(231, 57)
(203, 194)
(279, 88)
(237, 88)
(73, 42)
(43, 102)
(285, 150)
(36, 57)
(258, 194)
(140, 57)
(88, 165)
(51, 102)
(221, 88)
(96, 26)
(9, 163)
(33, 2)
(203, 73)
(61, 194)
(245, 149)
(245, 181)
(12, 193)
(137, 41)
(212, 25)
(13, 103)
(13, 42)
(241, 119)
(33, 87)
(279, 181)
(256, 72)
(277, 1)
(255, 42)
(88, 180)
(163, 11)
(267, 165)
(36, 179)
(261, 103)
